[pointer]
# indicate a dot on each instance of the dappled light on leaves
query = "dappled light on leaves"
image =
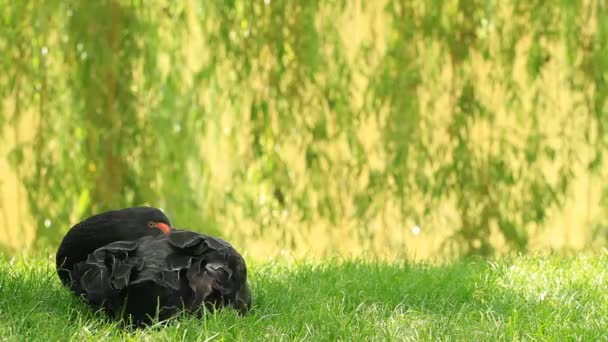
(459, 128)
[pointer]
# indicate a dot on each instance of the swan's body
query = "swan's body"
(151, 274)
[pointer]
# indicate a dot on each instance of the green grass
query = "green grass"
(542, 298)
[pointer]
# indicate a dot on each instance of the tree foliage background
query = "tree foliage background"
(308, 126)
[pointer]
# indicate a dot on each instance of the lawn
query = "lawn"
(542, 298)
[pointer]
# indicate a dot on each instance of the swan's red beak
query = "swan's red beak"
(165, 228)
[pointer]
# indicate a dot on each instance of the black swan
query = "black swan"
(133, 264)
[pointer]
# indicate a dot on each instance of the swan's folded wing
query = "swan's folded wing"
(176, 262)
(184, 239)
(105, 273)
(121, 246)
(196, 243)
(215, 271)
(202, 284)
(170, 279)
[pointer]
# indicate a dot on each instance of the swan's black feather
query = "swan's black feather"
(118, 261)
(170, 271)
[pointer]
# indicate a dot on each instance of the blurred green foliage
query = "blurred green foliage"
(259, 119)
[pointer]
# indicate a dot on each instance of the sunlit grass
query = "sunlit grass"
(528, 297)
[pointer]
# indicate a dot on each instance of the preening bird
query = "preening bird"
(133, 264)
